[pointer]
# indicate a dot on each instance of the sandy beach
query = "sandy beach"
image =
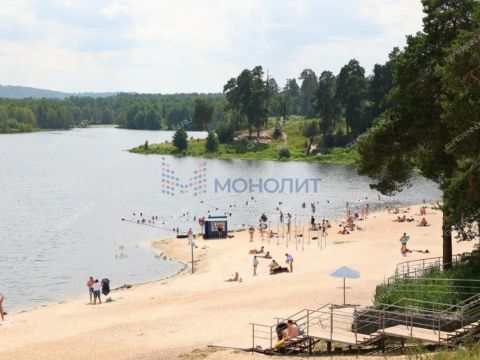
(182, 315)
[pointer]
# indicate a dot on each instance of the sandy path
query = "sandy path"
(164, 319)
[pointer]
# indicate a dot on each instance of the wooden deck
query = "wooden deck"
(346, 337)
(407, 332)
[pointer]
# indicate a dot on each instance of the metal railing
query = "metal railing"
(444, 289)
(366, 324)
(414, 268)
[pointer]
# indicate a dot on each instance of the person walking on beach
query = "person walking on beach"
(97, 288)
(251, 231)
(290, 261)
(255, 265)
(90, 283)
(403, 241)
(289, 222)
(1, 307)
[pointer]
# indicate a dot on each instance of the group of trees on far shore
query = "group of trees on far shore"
(344, 105)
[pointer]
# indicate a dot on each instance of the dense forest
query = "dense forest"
(346, 105)
(133, 111)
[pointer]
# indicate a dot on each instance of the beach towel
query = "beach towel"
(279, 344)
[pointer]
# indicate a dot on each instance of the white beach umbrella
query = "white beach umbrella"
(345, 272)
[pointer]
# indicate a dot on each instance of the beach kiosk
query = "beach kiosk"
(216, 227)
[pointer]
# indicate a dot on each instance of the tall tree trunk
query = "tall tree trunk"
(447, 244)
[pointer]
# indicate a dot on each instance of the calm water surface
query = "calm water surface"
(64, 193)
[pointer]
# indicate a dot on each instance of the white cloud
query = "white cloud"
(182, 46)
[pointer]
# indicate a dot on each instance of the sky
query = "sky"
(159, 46)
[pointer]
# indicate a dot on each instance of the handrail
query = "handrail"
(455, 258)
(419, 265)
(432, 258)
(408, 315)
(439, 279)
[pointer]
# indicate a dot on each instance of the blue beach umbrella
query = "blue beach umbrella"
(345, 272)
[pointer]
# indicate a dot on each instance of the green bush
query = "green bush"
(283, 152)
(211, 145)
(25, 128)
(180, 139)
(431, 290)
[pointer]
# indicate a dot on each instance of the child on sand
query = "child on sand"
(344, 231)
(267, 255)
(235, 278)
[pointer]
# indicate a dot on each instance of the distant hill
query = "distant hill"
(20, 92)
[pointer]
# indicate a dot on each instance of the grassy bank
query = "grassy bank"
(272, 149)
(470, 352)
(432, 288)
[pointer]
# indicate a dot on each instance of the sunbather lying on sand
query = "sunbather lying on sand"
(255, 251)
(267, 255)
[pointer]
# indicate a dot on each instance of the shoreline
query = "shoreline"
(162, 245)
(334, 155)
(187, 312)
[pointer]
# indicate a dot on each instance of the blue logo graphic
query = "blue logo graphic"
(196, 184)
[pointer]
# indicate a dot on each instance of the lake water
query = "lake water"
(64, 194)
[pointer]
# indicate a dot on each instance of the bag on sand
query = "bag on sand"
(105, 287)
